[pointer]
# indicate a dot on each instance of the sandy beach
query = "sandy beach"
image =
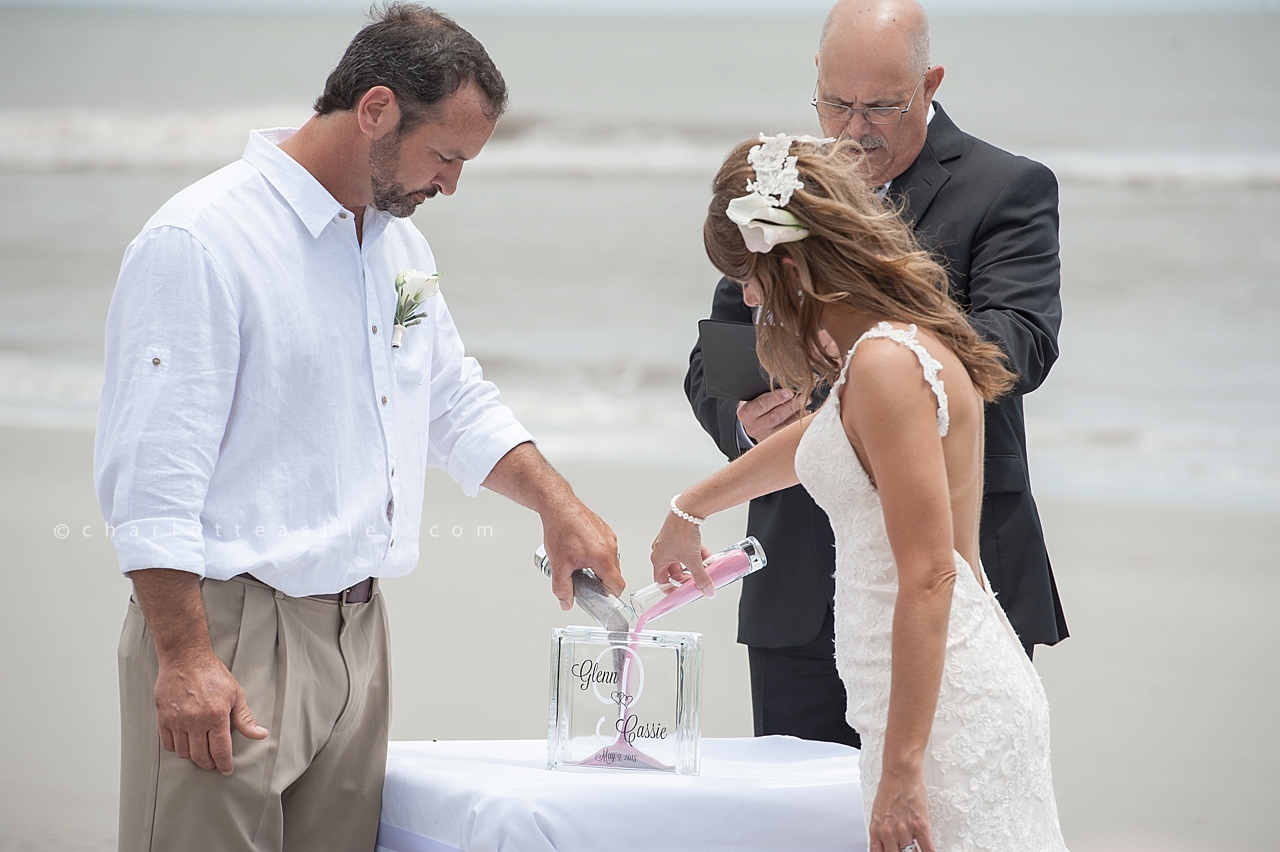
(1163, 698)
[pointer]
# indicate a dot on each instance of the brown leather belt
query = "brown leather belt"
(361, 592)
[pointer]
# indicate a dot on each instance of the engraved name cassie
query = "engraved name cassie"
(632, 730)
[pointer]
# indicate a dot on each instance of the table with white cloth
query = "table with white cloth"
(766, 794)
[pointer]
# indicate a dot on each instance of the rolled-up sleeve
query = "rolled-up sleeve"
(471, 430)
(172, 358)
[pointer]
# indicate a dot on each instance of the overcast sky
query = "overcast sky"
(768, 7)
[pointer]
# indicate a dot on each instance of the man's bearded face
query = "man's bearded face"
(389, 195)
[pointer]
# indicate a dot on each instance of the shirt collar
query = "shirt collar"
(311, 201)
(882, 191)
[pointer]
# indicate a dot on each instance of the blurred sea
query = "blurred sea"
(571, 255)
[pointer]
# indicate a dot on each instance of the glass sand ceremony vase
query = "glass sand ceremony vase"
(625, 698)
(624, 701)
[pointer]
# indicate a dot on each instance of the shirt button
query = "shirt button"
(155, 361)
(342, 215)
(393, 542)
(393, 471)
(384, 400)
(375, 329)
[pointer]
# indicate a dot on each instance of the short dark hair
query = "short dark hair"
(421, 55)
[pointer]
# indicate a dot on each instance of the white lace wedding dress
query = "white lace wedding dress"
(987, 762)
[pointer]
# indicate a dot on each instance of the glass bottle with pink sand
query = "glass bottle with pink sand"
(729, 565)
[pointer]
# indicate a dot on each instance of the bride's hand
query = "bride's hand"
(678, 554)
(900, 814)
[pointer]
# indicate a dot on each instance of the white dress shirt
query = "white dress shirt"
(254, 416)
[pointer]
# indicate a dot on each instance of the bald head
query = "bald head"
(874, 54)
(897, 26)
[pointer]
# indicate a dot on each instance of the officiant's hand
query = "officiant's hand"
(769, 412)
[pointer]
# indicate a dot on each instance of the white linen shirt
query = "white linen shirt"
(254, 417)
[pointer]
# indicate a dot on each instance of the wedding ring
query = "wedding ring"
(913, 846)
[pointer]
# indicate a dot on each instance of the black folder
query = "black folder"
(730, 368)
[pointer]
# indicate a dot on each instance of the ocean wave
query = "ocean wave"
(58, 141)
(82, 140)
(41, 393)
(1219, 464)
(1165, 168)
(1197, 464)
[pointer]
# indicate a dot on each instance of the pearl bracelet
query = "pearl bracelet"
(697, 522)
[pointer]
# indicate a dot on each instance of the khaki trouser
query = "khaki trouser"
(317, 676)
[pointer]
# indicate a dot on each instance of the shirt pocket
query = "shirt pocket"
(413, 359)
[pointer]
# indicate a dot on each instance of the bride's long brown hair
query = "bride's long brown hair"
(858, 253)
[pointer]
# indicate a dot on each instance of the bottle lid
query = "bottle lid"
(755, 553)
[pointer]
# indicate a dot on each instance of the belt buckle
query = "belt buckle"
(342, 597)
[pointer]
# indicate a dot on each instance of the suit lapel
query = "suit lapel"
(916, 187)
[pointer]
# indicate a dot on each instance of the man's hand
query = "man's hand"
(769, 412)
(573, 535)
(576, 537)
(197, 699)
(197, 703)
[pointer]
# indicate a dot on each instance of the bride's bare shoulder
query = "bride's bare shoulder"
(887, 378)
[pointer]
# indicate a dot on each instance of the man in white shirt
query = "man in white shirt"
(262, 448)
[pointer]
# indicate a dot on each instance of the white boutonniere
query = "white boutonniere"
(412, 289)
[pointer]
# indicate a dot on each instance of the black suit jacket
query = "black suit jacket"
(992, 218)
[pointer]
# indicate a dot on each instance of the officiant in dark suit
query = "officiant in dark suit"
(992, 218)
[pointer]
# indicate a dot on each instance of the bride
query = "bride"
(953, 718)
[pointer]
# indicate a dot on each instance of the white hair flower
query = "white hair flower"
(759, 215)
(763, 226)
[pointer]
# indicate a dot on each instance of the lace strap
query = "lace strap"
(931, 365)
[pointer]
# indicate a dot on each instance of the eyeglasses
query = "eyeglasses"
(843, 113)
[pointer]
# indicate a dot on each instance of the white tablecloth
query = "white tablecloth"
(766, 794)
